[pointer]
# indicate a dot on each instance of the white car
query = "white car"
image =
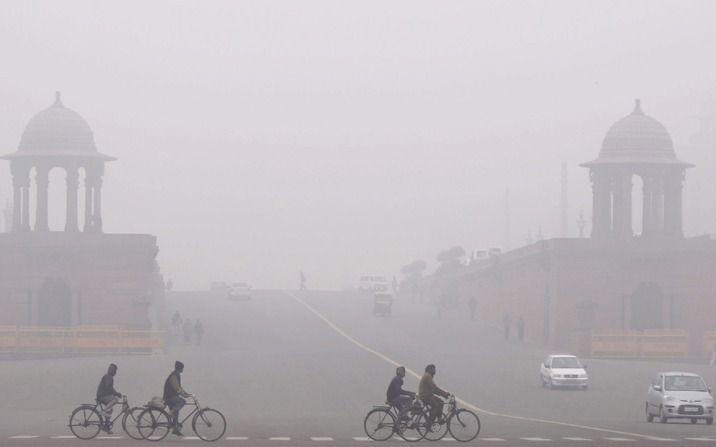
(679, 395)
(239, 291)
(563, 371)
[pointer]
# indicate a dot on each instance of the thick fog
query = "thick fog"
(259, 139)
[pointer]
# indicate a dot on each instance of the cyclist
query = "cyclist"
(428, 392)
(396, 395)
(174, 396)
(107, 396)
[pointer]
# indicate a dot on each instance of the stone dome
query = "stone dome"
(57, 129)
(636, 139)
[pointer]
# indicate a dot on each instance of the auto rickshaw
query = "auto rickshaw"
(382, 303)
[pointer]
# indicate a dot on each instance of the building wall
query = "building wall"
(553, 285)
(112, 279)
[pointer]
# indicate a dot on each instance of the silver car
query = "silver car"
(680, 395)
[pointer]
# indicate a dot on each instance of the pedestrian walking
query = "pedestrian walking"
(198, 332)
(506, 323)
(188, 329)
(521, 329)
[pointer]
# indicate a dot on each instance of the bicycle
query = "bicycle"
(208, 424)
(383, 421)
(86, 421)
(463, 424)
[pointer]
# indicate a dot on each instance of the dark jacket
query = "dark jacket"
(172, 386)
(106, 387)
(395, 389)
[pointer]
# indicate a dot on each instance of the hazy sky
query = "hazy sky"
(257, 139)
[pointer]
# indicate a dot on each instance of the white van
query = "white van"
(373, 283)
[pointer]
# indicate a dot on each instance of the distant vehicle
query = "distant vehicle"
(563, 371)
(239, 291)
(373, 283)
(495, 251)
(218, 286)
(679, 395)
(382, 303)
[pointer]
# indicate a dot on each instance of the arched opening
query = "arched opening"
(54, 303)
(647, 307)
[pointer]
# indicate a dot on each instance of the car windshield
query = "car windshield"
(565, 362)
(684, 383)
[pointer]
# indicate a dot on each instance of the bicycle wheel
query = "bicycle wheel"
(464, 425)
(130, 423)
(434, 432)
(409, 423)
(379, 424)
(153, 424)
(209, 424)
(85, 422)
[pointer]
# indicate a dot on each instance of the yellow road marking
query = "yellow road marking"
(463, 402)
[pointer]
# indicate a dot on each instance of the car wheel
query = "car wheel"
(585, 387)
(694, 420)
(710, 421)
(649, 416)
(541, 379)
(662, 415)
(550, 385)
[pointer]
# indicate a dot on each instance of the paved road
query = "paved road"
(296, 369)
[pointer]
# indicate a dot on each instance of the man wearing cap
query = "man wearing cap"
(174, 395)
(107, 396)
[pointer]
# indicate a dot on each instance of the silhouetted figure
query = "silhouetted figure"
(176, 319)
(198, 332)
(395, 285)
(108, 396)
(472, 304)
(521, 329)
(188, 329)
(506, 323)
(303, 281)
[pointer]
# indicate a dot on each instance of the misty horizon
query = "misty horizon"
(256, 140)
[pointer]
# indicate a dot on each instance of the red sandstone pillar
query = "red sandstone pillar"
(72, 182)
(43, 183)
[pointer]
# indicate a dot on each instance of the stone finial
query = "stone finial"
(637, 107)
(58, 100)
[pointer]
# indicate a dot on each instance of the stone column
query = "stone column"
(647, 210)
(617, 205)
(88, 199)
(97, 206)
(42, 183)
(673, 187)
(658, 204)
(72, 182)
(626, 186)
(20, 177)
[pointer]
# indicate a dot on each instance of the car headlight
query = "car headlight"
(582, 376)
(557, 376)
(670, 398)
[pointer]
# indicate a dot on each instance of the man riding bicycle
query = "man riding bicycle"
(107, 396)
(396, 395)
(174, 395)
(428, 391)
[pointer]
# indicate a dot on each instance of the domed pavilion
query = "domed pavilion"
(637, 145)
(57, 137)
